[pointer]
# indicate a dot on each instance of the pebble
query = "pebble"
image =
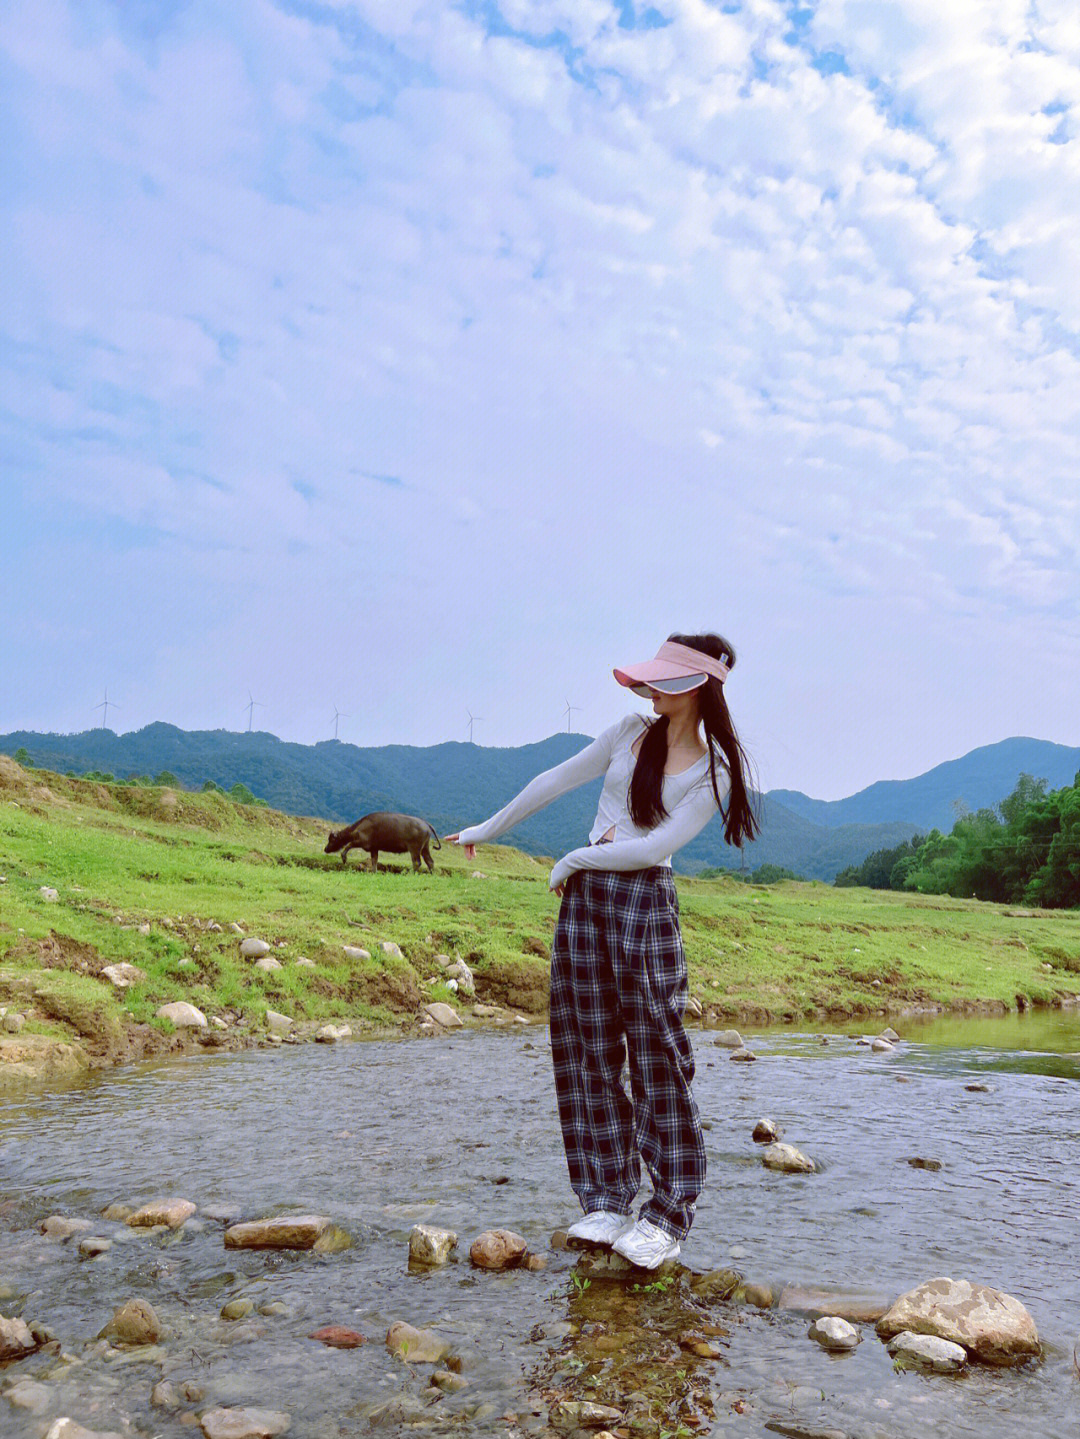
(927, 1351)
(94, 1246)
(417, 1346)
(238, 1309)
(171, 1212)
(430, 1246)
(243, 1423)
(299, 1231)
(236, 928)
(786, 1159)
(304, 963)
(28, 1394)
(254, 948)
(336, 1336)
(47, 892)
(389, 947)
(182, 1015)
(59, 1226)
(834, 1334)
(332, 1033)
(135, 1323)
(268, 964)
(498, 1249)
(354, 951)
(123, 976)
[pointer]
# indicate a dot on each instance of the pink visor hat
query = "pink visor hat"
(675, 669)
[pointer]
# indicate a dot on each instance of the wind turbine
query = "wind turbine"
(568, 711)
(250, 707)
(337, 715)
(105, 706)
(473, 719)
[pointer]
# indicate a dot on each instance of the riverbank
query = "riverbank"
(96, 877)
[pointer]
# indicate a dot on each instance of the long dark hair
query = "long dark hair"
(646, 798)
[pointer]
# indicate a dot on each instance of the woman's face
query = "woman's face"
(675, 706)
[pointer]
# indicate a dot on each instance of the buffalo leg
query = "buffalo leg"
(374, 860)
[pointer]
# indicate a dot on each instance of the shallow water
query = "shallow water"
(460, 1131)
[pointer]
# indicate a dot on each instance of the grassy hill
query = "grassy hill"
(449, 784)
(141, 874)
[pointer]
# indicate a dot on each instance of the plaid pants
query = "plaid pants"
(618, 991)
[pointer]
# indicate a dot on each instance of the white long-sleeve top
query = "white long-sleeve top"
(688, 799)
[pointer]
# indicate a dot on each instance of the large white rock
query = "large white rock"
(182, 1015)
(729, 1039)
(928, 1352)
(443, 1015)
(834, 1333)
(993, 1327)
(787, 1159)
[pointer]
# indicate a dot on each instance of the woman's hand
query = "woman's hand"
(558, 888)
(470, 849)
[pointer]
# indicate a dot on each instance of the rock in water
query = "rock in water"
(135, 1323)
(891, 1035)
(729, 1039)
(418, 1346)
(182, 1015)
(172, 1212)
(993, 1327)
(881, 1046)
(787, 1159)
(335, 1336)
(16, 1341)
(59, 1226)
(766, 1131)
(927, 1352)
(243, 1423)
(498, 1249)
(28, 1394)
(332, 1033)
(429, 1246)
(67, 1429)
(742, 1056)
(834, 1334)
(297, 1231)
(568, 1414)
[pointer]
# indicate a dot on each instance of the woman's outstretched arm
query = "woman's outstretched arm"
(589, 764)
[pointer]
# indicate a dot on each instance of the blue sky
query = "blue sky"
(419, 358)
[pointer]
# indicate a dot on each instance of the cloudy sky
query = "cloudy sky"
(415, 358)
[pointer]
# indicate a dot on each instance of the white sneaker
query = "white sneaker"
(646, 1245)
(602, 1226)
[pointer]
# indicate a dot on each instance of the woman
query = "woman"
(618, 973)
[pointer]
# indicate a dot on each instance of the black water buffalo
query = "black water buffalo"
(390, 833)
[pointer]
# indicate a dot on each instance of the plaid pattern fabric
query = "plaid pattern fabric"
(618, 991)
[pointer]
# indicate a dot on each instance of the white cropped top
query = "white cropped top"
(688, 799)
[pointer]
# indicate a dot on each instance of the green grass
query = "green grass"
(123, 857)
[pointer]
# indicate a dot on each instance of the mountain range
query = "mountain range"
(455, 784)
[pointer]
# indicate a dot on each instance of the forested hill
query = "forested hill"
(455, 784)
(980, 779)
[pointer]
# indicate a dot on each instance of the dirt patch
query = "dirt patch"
(13, 779)
(396, 990)
(60, 951)
(514, 984)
